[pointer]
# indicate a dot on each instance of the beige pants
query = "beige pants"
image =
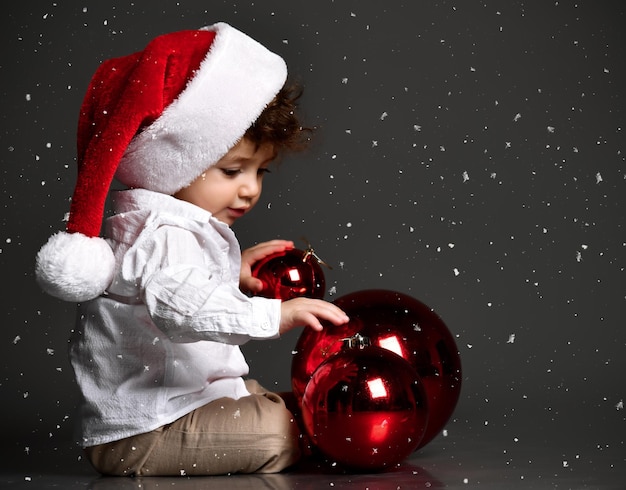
(256, 433)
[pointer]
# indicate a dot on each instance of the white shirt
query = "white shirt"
(164, 339)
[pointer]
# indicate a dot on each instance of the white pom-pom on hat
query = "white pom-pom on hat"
(75, 267)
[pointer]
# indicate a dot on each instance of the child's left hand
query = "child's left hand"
(250, 256)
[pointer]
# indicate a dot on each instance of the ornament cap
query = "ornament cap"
(357, 341)
(310, 252)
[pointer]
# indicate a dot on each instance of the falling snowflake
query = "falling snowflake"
(511, 339)
(598, 178)
(465, 176)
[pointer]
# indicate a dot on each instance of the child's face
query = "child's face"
(231, 187)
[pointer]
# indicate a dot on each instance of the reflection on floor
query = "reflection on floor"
(460, 458)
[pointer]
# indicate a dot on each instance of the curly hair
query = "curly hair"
(279, 124)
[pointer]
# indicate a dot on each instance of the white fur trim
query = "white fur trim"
(237, 79)
(74, 267)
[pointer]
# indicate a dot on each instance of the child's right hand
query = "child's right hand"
(307, 312)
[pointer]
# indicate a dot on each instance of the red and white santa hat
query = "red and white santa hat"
(156, 120)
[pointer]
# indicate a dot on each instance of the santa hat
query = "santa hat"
(156, 120)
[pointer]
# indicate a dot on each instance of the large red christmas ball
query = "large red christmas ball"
(401, 324)
(290, 274)
(365, 409)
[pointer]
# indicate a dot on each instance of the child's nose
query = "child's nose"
(250, 187)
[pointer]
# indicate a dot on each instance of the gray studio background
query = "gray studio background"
(469, 153)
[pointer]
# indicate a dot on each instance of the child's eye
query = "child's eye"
(230, 172)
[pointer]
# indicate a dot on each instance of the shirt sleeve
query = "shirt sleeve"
(187, 284)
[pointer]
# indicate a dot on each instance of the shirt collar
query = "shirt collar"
(130, 200)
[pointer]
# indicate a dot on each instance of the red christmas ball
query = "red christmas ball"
(290, 274)
(402, 325)
(365, 409)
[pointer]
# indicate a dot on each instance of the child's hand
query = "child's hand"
(307, 312)
(252, 255)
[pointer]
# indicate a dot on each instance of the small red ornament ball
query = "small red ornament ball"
(365, 409)
(402, 325)
(290, 274)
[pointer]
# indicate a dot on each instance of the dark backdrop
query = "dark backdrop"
(470, 154)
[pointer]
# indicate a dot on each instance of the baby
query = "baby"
(190, 125)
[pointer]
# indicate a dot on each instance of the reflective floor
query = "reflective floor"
(465, 456)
